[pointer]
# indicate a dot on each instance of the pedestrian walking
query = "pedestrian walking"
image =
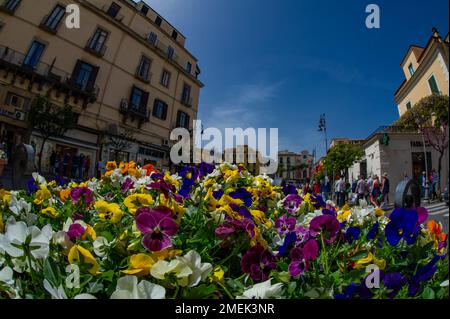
(385, 188)
(361, 188)
(376, 195)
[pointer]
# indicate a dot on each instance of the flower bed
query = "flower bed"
(209, 232)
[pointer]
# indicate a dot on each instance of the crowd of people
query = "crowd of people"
(433, 180)
(69, 165)
(373, 190)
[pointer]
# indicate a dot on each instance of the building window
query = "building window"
(183, 120)
(17, 101)
(10, 5)
(84, 75)
(433, 85)
(170, 52)
(189, 67)
(138, 99)
(174, 34)
(158, 21)
(411, 69)
(143, 70)
(113, 10)
(98, 40)
(186, 95)
(53, 20)
(34, 54)
(144, 9)
(160, 109)
(408, 105)
(152, 37)
(165, 78)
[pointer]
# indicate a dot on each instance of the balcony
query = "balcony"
(44, 75)
(95, 49)
(139, 113)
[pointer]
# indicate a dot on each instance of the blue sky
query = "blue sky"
(283, 63)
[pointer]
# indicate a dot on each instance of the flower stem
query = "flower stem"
(325, 255)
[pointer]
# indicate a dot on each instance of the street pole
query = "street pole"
(426, 197)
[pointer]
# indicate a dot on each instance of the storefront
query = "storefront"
(64, 156)
(402, 157)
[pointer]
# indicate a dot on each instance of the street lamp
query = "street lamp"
(323, 128)
(426, 197)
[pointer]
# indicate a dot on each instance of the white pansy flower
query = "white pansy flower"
(200, 271)
(100, 244)
(19, 206)
(129, 288)
(61, 238)
(59, 293)
(264, 290)
(176, 266)
(40, 180)
(16, 235)
(6, 276)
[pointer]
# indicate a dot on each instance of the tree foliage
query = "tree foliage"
(429, 111)
(342, 156)
(50, 120)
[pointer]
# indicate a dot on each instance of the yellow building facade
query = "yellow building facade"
(426, 71)
(125, 71)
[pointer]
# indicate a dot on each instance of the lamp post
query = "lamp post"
(426, 198)
(323, 128)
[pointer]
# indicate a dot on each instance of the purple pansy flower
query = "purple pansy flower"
(190, 175)
(285, 224)
(301, 235)
(242, 194)
(217, 194)
(205, 169)
(289, 189)
(302, 256)
(75, 231)
(423, 274)
(258, 263)
(352, 234)
(394, 282)
(157, 228)
(403, 224)
(292, 203)
(127, 185)
(83, 193)
(326, 225)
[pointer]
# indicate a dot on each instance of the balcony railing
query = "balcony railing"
(11, 59)
(139, 112)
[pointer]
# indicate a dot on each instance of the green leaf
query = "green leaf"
(51, 274)
(428, 293)
(201, 292)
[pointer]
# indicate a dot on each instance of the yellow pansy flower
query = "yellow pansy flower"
(211, 202)
(230, 175)
(78, 254)
(89, 232)
(307, 198)
(260, 218)
(227, 200)
(140, 265)
(169, 179)
(217, 274)
(111, 166)
(64, 194)
(5, 196)
(50, 212)
(363, 262)
(379, 212)
(109, 211)
(135, 201)
(343, 216)
(42, 195)
(177, 209)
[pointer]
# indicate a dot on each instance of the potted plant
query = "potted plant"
(3, 161)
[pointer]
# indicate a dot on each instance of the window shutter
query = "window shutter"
(92, 78)
(75, 72)
(144, 100)
(187, 121)
(155, 104)
(164, 117)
